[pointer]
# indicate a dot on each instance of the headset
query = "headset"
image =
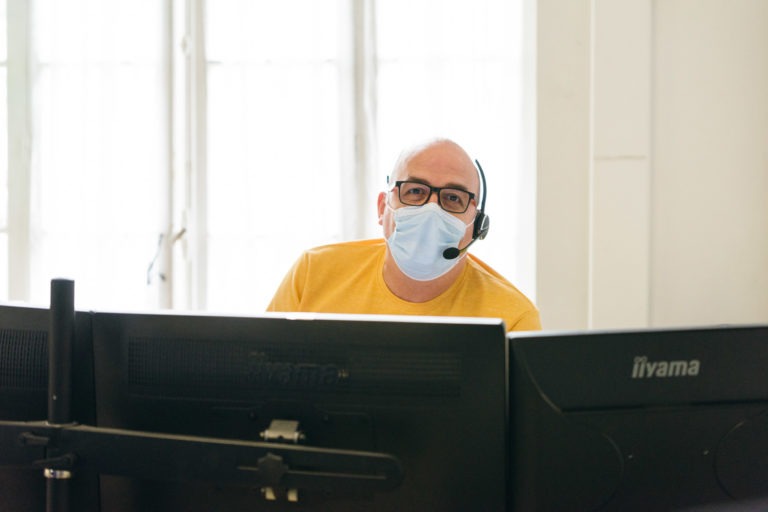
(482, 221)
(481, 225)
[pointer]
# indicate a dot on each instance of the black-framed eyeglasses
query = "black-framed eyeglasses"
(414, 193)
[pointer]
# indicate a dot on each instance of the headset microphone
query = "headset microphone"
(454, 252)
(481, 225)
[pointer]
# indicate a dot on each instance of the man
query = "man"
(428, 212)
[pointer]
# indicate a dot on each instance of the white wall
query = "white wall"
(652, 162)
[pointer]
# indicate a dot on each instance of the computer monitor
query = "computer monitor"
(659, 419)
(24, 362)
(429, 392)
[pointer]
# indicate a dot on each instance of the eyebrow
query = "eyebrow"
(457, 186)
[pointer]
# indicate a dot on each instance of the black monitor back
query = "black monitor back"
(640, 420)
(429, 392)
(24, 397)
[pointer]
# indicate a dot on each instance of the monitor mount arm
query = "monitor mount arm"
(158, 456)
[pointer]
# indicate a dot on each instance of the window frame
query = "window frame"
(19, 148)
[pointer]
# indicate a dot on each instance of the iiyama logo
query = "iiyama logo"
(645, 369)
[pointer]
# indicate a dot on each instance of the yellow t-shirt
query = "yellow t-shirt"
(347, 278)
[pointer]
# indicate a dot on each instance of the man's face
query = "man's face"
(439, 165)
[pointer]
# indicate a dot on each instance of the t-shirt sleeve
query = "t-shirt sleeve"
(528, 321)
(287, 297)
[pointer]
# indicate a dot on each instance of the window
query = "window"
(182, 153)
(273, 140)
(99, 152)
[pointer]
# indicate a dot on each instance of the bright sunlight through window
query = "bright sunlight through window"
(181, 154)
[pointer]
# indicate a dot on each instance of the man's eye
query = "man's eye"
(412, 191)
(454, 198)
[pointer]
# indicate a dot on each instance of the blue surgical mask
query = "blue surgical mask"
(421, 235)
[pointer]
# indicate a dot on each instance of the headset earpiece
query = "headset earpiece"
(482, 225)
(482, 221)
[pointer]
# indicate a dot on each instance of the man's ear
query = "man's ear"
(382, 205)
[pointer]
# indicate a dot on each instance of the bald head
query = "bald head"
(438, 156)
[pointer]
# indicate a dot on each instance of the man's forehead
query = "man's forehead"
(436, 173)
(429, 180)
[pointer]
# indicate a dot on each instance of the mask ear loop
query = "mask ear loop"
(389, 192)
(386, 201)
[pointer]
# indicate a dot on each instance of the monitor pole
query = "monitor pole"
(61, 336)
